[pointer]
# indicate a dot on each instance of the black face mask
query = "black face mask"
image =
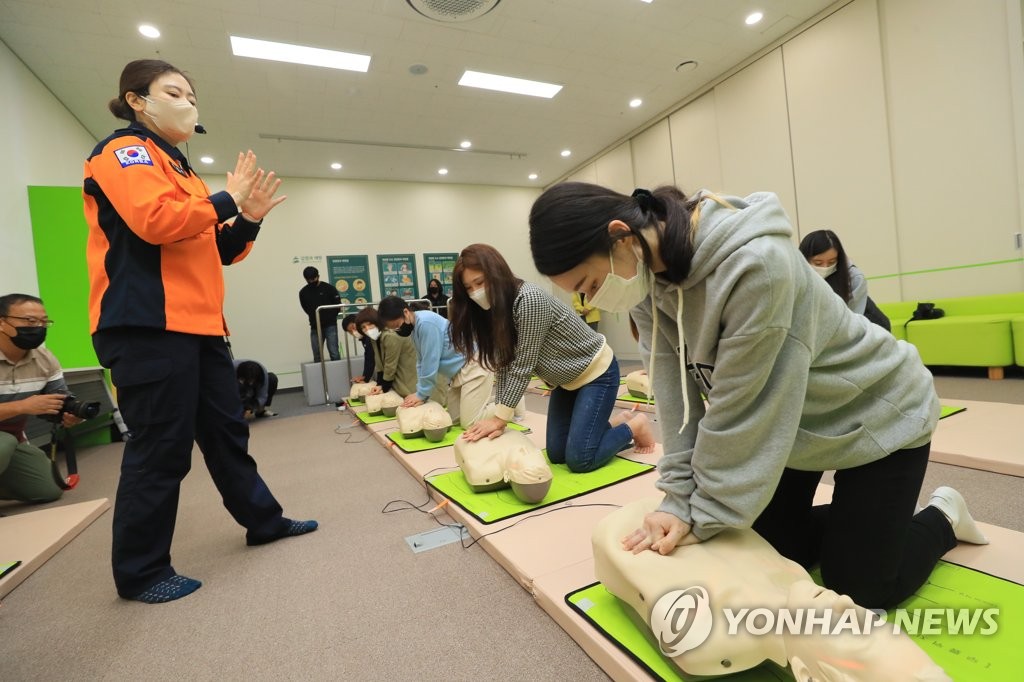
(434, 292)
(404, 330)
(29, 337)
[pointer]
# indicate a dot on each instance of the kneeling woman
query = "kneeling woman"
(394, 355)
(516, 329)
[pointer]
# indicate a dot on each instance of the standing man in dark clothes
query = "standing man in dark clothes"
(312, 296)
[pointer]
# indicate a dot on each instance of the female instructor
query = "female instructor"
(157, 242)
(795, 383)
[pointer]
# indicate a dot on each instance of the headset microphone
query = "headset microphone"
(200, 129)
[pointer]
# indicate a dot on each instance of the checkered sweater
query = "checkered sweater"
(553, 343)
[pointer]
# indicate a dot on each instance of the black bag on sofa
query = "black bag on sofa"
(927, 311)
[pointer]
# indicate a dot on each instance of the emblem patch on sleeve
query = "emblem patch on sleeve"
(133, 156)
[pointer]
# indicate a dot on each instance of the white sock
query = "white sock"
(951, 503)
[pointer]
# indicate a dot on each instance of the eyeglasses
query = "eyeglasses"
(32, 321)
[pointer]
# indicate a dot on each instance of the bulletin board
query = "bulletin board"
(439, 266)
(350, 275)
(397, 273)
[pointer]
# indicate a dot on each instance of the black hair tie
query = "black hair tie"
(644, 199)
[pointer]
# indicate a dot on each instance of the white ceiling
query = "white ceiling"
(604, 52)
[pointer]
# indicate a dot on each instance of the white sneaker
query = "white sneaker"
(951, 503)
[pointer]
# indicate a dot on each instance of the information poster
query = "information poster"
(439, 266)
(350, 275)
(397, 275)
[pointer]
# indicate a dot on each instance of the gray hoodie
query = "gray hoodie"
(792, 377)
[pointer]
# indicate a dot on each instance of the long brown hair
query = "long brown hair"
(488, 335)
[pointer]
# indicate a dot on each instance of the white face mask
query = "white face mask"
(373, 333)
(356, 335)
(479, 297)
(177, 117)
(825, 272)
(618, 294)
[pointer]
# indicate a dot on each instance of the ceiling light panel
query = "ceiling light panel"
(299, 54)
(517, 86)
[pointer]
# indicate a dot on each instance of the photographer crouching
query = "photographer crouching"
(31, 383)
(256, 388)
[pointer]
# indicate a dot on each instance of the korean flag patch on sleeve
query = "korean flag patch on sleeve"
(134, 155)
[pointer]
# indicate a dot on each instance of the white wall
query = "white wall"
(41, 144)
(336, 217)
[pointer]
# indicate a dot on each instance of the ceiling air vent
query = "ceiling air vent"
(453, 10)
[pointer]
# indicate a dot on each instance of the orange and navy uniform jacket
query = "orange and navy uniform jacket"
(157, 238)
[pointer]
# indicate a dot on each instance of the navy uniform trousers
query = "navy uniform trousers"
(174, 389)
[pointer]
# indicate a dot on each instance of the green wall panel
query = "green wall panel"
(59, 234)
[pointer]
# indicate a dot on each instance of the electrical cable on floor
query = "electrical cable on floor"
(343, 430)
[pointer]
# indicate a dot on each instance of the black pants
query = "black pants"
(868, 541)
(174, 389)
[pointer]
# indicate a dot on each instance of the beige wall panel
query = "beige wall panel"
(953, 139)
(615, 169)
(652, 157)
(696, 157)
(836, 94)
(979, 281)
(753, 132)
(586, 174)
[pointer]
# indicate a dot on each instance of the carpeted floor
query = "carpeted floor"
(350, 601)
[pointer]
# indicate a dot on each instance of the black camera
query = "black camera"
(75, 407)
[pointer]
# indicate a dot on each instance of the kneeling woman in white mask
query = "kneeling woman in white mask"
(825, 253)
(516, 329)
(795, 383)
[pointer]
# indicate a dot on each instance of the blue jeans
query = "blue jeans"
(578, 431)
(331, 337)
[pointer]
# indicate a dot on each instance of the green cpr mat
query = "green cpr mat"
(497, 505)
(949, 411)
(964, 657)
(355, 402)
(419, 444)
(630, 398)
(368, 418)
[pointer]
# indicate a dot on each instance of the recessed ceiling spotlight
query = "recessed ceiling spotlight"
(336, 166)
(206, 159)
(465, 144)
(442, 171)
(149, 30)
(566, 152)
(418, 69)
(532, 176)
(635, 102)
(647, 1)
(686, 65)
(753, 18)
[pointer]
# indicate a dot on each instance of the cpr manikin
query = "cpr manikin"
(638, 384)
(386, 403)
(428, 419)
(737, 569)
(360, 391)
(511, 459)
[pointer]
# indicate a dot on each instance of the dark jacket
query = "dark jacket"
(316, 294)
